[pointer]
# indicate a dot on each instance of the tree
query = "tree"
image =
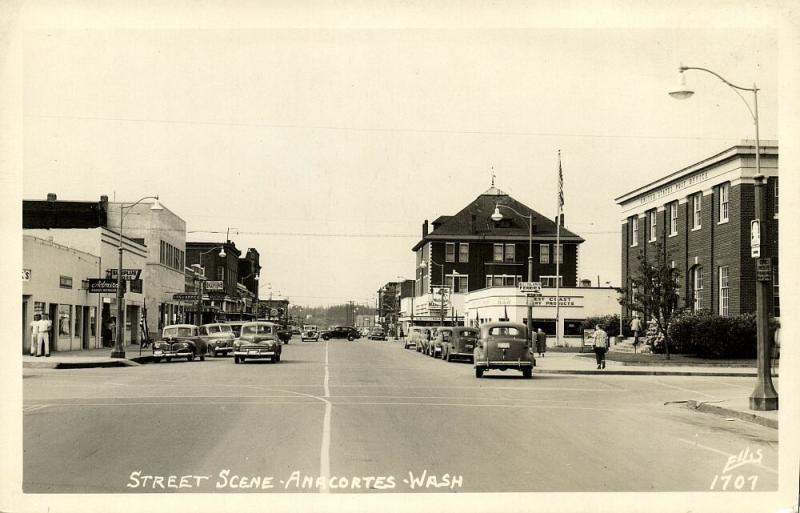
(656, 291)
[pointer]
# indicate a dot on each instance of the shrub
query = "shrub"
(710, 336)
(609, 323)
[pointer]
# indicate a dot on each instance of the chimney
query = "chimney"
(425, 229)
(51, 196)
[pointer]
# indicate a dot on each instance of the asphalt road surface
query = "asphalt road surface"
(371, 417)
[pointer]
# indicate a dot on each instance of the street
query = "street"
(371, 417)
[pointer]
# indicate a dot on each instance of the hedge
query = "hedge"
(710, 336)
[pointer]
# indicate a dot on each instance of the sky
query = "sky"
(326, 148)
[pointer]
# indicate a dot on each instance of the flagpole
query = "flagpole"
(559, 252)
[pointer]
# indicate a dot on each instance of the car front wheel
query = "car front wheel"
(235, 359)
(190, 357)
(478, 372)
(527, 373)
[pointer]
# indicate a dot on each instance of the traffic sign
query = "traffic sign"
(755, 238)
(530, 287)
(102, 286)
(127, 274)
(764, 269)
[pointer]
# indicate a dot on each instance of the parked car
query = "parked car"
(377, 333)
(180, 341)
(364, 332)
(218, 337)
(236, 326)
(441, 336)
(258, 340)
(460, 343)
(348, 332)
(503, 346)
(309, 332)
(425, 336)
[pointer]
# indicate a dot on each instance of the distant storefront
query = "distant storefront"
(54, 280)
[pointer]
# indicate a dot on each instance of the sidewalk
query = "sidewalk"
(87, 359)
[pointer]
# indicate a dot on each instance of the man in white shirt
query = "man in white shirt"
(34, 333)
(600, 346)
(45, 325)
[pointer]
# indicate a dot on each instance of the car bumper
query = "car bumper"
(461, 355)
(504, 364)
(171, 354)
(256, 353)
(221, 349)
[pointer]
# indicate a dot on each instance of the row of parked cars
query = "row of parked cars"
(245, 340)
(311, 332)
(495, 345)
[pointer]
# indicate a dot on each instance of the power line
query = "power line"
(376, 129)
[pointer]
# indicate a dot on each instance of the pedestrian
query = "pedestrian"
(43, 336)
(35, 333)
(541, 342)
(636, 326)
(600, 345)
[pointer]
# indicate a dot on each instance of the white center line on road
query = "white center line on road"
(325, 448)
(723, 453)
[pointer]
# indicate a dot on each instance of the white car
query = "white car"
(310, 332)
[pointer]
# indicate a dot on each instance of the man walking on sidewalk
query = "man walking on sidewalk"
(600, 345)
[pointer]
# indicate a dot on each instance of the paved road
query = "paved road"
(369, 416)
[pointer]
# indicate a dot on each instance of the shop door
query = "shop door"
(53, 327)
(26, 330)
(86, 328)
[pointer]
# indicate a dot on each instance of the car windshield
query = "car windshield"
(446, 334)
(508, 331)
(256, 329)
(225, 329)
(212, 329)
(469, 334)
(178, 332)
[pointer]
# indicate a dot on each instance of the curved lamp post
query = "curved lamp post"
(764, 396)
(497, 217)
(119, 344)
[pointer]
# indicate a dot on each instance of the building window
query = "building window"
(463, 252)
(775, 210)
(724, 291)
(697, 278)
(697, 206)
(498, 252)
(550, 281)
(558, 250)
(162, 258)
(673, 218)
(450, 252)
(544, 253)
(65, 282)
(776, 300)
(652, 217)
(502, 280)
(724, 200)
(220, 274)
(634, 231)
(510, 253)
(64, 314)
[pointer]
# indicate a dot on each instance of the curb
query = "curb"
(645, 373)
(727, 412)
(122, 362)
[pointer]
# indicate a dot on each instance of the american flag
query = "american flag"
(560, 182)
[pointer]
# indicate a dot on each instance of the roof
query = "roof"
(462, 226)
(744, 147)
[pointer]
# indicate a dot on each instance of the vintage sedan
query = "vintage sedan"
(258, 340)
(503, 346)
(180, 341)
(236, 326)
(460, 343)
(377, 333)
(219, 338)
(439, 337)
(310, 332)
(424, 340)
(348, 332)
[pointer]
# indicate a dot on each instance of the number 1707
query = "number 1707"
(729, 482)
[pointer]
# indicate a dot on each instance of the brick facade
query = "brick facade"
(700, 251)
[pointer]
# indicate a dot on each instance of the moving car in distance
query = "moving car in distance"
(503, 346)
(180, 341)
(295, 330)
(258, 340)
(377, 333)
(348, 332)
(218, 337)
(460, 343)
(310, 332)
(364, 332)
(284, 334)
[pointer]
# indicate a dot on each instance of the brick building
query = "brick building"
(701, 217)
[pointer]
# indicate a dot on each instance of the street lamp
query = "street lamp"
(497, 217)
(764, 396)
(423, 265)
(119, 345)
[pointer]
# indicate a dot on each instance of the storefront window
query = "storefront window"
(573, 327)
(64, 314)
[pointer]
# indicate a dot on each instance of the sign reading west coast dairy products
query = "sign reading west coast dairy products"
(551, 301)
